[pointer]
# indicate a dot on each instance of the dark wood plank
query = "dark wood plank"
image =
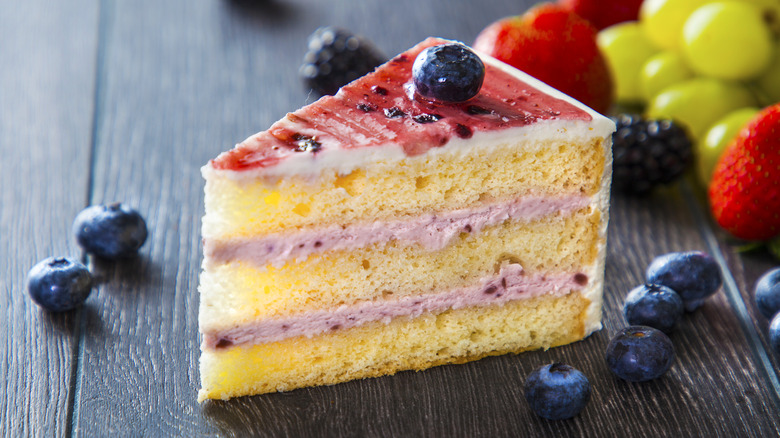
(744, 268)
(184, 80)
(47, 53)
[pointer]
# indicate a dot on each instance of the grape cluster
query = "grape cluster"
(706, 64)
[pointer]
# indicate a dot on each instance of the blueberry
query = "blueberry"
(653, 305)
(692, 305)
(110, 231)
(767, 293)
(774, 334)
(557, 391)
(58, 284)
(639, 353)
(694, 275)
(448, 72)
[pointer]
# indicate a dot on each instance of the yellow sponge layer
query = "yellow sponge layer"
(239, 292)
(455, 336)
(429, 182)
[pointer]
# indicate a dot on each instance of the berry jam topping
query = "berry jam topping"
(400, 59)
(305, 143)
(448, 73)
(394, 112)
(366, 107)
(463, 131)
(427, 118)
(334, 122)
(477, 110)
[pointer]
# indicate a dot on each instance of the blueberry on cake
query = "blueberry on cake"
(399, 226)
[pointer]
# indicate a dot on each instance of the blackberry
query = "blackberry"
(647, 153)
(335, 58)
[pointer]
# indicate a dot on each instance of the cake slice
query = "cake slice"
(374, 231)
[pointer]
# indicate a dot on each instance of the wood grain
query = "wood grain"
(173, 84)
(47, 53)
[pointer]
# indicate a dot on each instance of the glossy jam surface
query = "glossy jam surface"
(382, 107)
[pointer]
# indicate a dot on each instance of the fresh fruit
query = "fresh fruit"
(58, 284)
(662, 20)
(770, 11)
(715, 140)
(774, 334)
(769, 81)
(661, 71)
(767, 293)
(639, 353)
(557, 391)
(110, 231)
(448, 73)
(698, 103)
(604, 13)
(557, 47)
(727, 40)
(626, 50)
(694, 275)
(335, 58)
(647, 153)
(653, 305)
(744, 193)
(773, 246)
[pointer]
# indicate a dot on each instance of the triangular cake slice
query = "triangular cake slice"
(374, 231)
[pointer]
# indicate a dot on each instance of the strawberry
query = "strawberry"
(745, 188)
(604, 13)
(555, 46)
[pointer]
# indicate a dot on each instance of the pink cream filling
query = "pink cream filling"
(510, 284)
(433, 232)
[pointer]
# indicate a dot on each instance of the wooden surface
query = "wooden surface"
(107, 100)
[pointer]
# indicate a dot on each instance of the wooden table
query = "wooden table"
(106, 101)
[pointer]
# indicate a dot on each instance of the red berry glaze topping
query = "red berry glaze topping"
(341, 121)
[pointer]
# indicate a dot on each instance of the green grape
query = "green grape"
(626, 49)
(662, 20)
(698, 103)
(770, 10)
(727, 40)
(710, 148)
(661, 71)
(769, 81)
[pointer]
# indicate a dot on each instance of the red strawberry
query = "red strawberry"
(745, 187)
(557, 47)
(604, 13)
